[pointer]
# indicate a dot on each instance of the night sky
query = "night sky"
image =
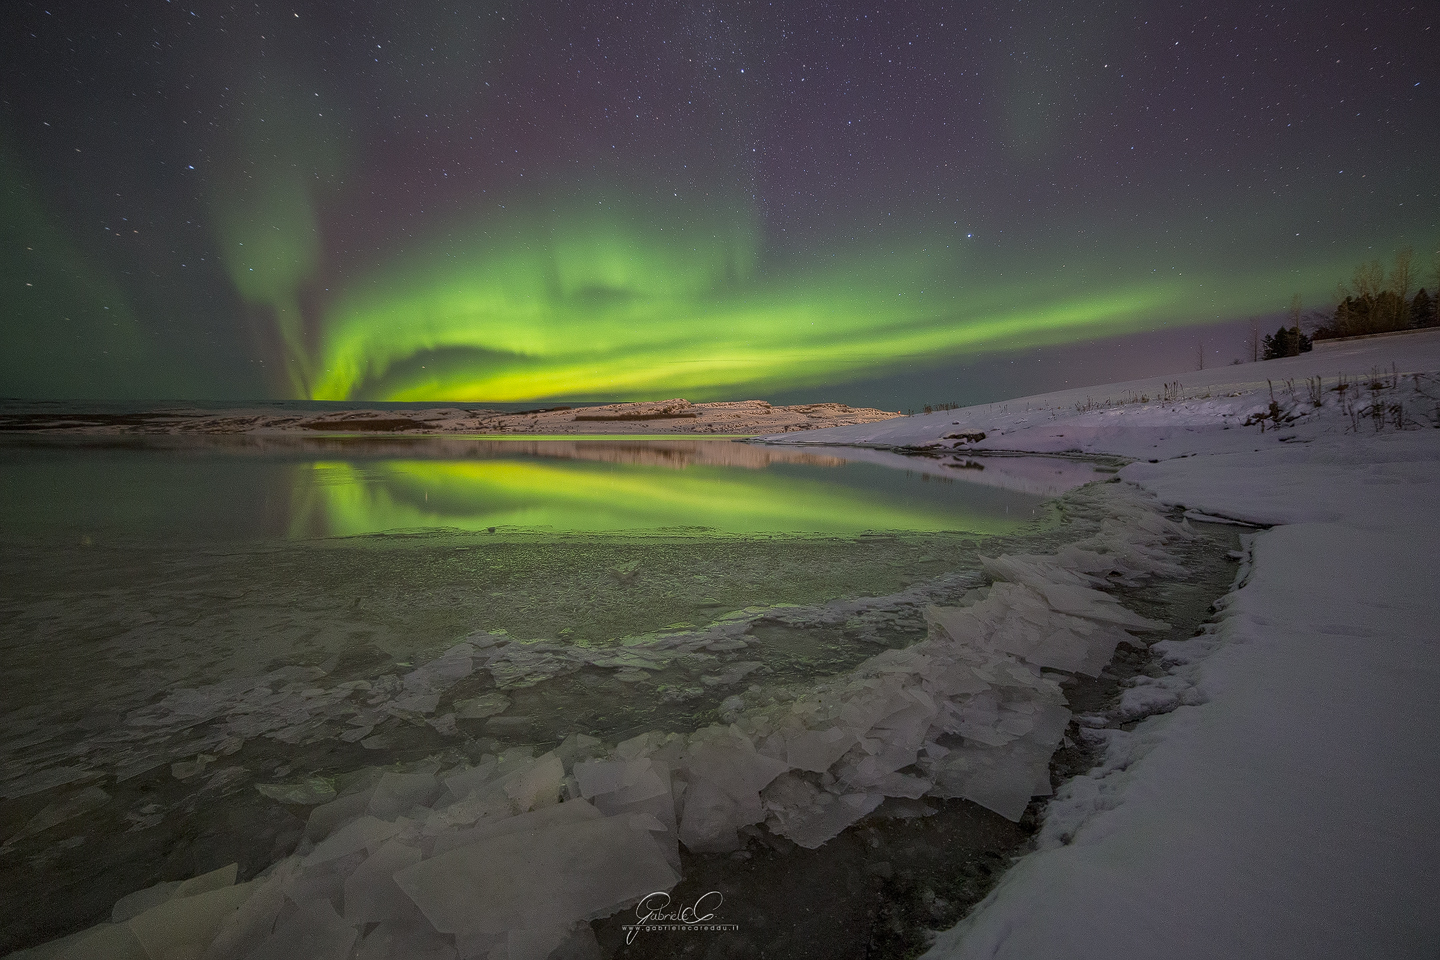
(881, 203)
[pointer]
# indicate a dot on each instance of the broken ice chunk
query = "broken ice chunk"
(956, 679)
(1032, 571)
(461, 781)
(366, 833)
(134, 904)
(1001, 779)
(485, 705)
(644, 779)
(638, 746)
(729, 758)
(868, 771)
(323, 881)
(639, 788)
(420, 703)
(965, 625)
(186, 925)
(906, 660)
(600, 776)
(316, 932)
(810, 816)
(1004, 778)
(23, 786)
(726, 775)
(577, 747)
(538, 785)
(392, 940)
(571, 811)
(901, 785)
(398, 793)
(370, 891)
(817, 750)
(78, 803)
(1094, 605)
(535, 944)
(713, 816)
(110, 941)
(443, 672)
(486, 803)
(217, 879)
(255, 918)
(186, 769)
(535, 878)
(732, 674)
(579, 944)
(326, 817)
(306, 792)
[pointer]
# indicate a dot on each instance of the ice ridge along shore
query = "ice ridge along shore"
(1287, 803)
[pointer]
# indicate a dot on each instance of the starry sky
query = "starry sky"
(887, 204)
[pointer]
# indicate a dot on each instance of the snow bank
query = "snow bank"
(1280, 799)
(1159, 417)
(1288, 807)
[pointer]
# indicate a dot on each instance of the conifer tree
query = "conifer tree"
(1422, 310)
(1286, 342)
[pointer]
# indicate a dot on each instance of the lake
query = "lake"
(185, 621)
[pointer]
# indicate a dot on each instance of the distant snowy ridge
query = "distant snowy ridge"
(647, 417)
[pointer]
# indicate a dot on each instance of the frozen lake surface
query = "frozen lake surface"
(203, 640)
(138, 567)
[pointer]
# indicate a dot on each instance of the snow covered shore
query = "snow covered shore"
(1282, 798)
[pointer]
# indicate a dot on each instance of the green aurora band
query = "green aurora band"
(639, 300)
(57, 292)
(265, 219)
(633, 306)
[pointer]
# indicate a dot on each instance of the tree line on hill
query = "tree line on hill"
(1372, 302)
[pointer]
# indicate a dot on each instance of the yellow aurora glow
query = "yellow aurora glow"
(590, 497)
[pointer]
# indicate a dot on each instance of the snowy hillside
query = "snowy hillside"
(1281, 798)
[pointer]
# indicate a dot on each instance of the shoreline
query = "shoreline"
(647, 418)
(1276, 796)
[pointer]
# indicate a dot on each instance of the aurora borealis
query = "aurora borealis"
(538, 201)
